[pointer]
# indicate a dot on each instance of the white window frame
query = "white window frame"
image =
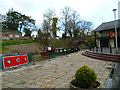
(11, 35)
(17, 36)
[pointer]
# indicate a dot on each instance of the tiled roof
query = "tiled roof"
(11, 31)
(108, 25)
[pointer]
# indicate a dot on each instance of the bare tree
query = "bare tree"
(47, 22)
(86, 27)
(75, 20)
(66, 15)
(70, 20)
(47, 25)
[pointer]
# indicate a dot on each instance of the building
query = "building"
(10, 34)
(105, 34)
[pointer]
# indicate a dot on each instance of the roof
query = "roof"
(11, 31)
(108, 25)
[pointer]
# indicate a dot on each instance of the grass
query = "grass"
(53, 42)
(6, 43)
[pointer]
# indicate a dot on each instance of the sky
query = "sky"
(96, 11)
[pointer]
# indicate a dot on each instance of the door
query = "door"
(104, 43)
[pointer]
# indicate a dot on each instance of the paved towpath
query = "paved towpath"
(54, 74)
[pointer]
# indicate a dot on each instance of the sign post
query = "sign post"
(115, 31)
(49, 48)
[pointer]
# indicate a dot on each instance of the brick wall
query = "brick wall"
(11, 36)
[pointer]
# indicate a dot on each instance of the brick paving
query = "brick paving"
(54, 74)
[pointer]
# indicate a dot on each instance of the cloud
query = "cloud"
(93, 10)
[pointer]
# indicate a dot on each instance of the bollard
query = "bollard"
(96, 49)
(49, 57)
(110, 49)
(33, 63)
(90, 47)
(49, 53)
(93, 48)
(101, 49)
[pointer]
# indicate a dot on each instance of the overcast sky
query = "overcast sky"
(97, 11)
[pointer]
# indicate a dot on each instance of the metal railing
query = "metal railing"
(105, 50)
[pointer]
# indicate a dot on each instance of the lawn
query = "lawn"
(6, 43)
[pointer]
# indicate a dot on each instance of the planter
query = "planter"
(74, 86)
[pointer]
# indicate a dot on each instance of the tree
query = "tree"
(45, 28)
(2, 21)
(48, 16)
(47, 22)
(12, 19)
(70, 21)
(91, 41)
(86, 27)
(54, 27)
(27, 32)
(43, 37)
(66, 14)
(74, 22)
(26, 23)
(17, 21)
(76, 32)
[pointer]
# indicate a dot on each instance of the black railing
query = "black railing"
(105, 50)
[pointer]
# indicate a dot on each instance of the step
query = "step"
(102, 56)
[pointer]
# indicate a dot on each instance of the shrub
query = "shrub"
(85, 77)
(83, 46)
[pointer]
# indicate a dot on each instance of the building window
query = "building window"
(17, 36)
(11, 35)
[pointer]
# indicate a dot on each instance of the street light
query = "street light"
(115, 31)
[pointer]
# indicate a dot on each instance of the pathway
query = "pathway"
(55, 74)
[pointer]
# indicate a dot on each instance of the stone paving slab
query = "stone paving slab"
(54, 74)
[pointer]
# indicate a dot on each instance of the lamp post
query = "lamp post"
(49, 51)
(115, 31)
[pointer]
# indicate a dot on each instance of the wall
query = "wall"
(7, 36)
(111, 41)
(98, 42)
(105, 33)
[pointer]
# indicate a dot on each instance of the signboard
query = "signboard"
(113, 34)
